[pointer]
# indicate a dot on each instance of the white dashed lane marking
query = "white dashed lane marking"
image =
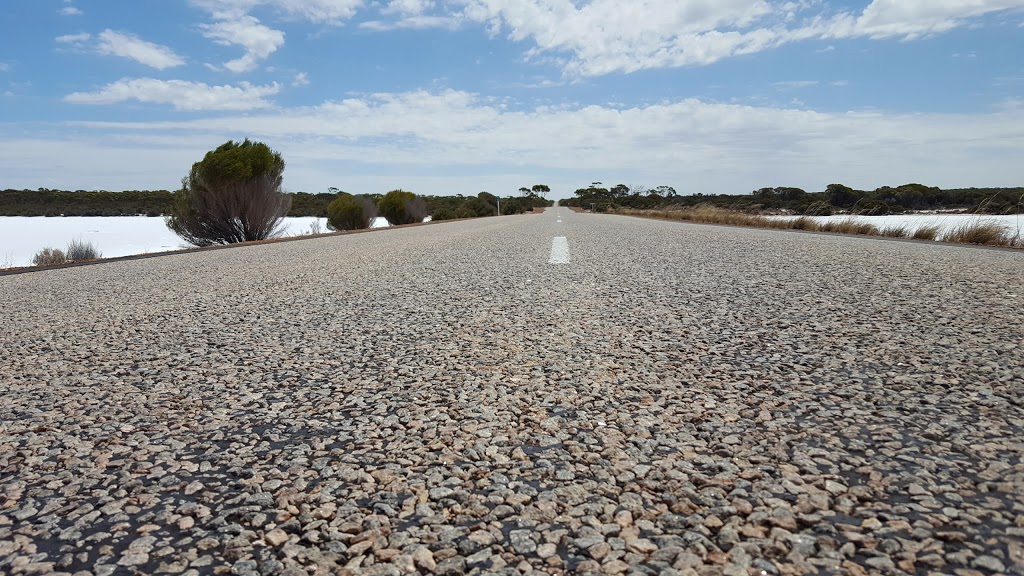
(559, 250)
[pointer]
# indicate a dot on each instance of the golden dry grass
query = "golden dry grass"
(984, 233)
(926, 233)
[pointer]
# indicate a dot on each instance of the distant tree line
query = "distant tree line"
(44, 202)
(836, 198)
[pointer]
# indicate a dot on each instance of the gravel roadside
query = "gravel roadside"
(678, 399)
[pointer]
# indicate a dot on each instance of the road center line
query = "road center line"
(559, 250)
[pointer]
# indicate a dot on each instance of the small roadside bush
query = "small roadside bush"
(516, 206)
(81, 250)
(401, 207)
(477, 208)
(49, 256)
(443, 214)
(349, 212)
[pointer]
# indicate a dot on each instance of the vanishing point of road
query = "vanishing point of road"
(544, 394)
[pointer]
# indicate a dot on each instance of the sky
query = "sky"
(462, 96)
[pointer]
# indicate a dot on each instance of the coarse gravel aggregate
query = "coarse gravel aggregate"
(677, 399)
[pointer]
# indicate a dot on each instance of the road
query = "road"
(641, 397)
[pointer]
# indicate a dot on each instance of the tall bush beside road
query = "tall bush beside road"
(401, 207)
(232, 195)
(348, 212)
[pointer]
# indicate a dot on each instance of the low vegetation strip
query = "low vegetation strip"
(982, 233)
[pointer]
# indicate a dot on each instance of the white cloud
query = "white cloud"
(69, 9)
(596, 37)
(604, 36)
(692, 144)
(322, 11)
(795, 84)
(408, 7)
(914, 18)
(181, 94)
(413, 23)
(319, 11)
(74, 38)
(134, 48)
(301, 79)
(258, 40)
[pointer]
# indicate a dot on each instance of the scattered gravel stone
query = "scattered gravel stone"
(988, 563)
(679, 399)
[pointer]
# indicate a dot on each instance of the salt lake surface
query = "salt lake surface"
(21, 237)
(1013, 223)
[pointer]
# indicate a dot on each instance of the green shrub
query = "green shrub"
(476, 208)
(401, 207)
(443, 214)
(349, 212)
(232, 195)
(49, 256)
(79, 250)
(516, 205)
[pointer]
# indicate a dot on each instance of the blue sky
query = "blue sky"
(459, 96)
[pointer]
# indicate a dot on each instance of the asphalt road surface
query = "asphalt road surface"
(550, 394)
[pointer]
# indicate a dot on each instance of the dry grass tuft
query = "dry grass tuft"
(49, 256)
(899, 231)
(849, 226)
(988, 233)
(926, 233)
(803, 223)
(79, 250)
(979, 233)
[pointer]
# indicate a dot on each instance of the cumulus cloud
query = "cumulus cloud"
(407, 7)
(696, 145)
(796, 84)
(74, 38)
(69, 9)
(413, 23)
(914, 18)
(134, 48)
(319, 11)
(180, 94)
(605, 36)
(598, 37)
(258, 40)
(234, 25)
